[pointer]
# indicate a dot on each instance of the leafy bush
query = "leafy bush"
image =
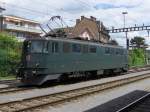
(10, 52)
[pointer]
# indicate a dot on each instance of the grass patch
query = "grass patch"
(9, 77)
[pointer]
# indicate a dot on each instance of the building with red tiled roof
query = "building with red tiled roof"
(89, 29)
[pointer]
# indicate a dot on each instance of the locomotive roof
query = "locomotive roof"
(75, 41)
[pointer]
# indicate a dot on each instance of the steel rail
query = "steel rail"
(8, 81)
(56, 98)
(14, 89)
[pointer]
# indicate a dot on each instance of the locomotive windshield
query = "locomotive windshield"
(39, 47)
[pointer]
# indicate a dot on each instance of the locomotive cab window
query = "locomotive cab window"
(55, 48)
(39, 47)
(36, 47)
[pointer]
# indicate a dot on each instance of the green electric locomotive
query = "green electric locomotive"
(61, 58)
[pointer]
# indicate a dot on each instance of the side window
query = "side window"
(92, 49)
(111, 51)
(66, 47)
(45, 47)
(76, 48)
(121, 52)
(124, 52)
(117, 51)
(55, 47)
(107, 50)
(85, 48)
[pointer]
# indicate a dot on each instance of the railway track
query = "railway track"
(31, 104)
(15, 89)
(137, 69)
(140, 105)
(8, 81)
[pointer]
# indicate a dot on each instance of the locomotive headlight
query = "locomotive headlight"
(34, 72)
(28, 57)
(16, 70)
(37, 65)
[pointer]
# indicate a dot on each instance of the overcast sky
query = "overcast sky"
(108, 11)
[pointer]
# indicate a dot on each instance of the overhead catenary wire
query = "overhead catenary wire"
(26, 10)
(37, 13)
(83, 3)
(45, 13)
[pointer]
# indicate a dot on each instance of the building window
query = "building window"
(92, 49)
(85, 48)
(17, 23)
(76, 48)
(20, 34)
(55, 47)
(66, 47)
(14, 34)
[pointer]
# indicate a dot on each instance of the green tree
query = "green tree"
(138, 42)
(113, 42)
(10, 52)
(137, 57)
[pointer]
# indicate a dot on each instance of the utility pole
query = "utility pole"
(1, 18)
(1, 9)
(127, 40)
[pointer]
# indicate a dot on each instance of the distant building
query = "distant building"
(88, 28)
(20, 27)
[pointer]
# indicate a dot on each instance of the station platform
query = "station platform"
(118, 103)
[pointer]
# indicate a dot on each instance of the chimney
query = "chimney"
(82, 17)
(102, 26)
(77, 21)
(93, 18)
(98, 23)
